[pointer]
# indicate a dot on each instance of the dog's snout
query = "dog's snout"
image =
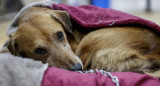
(77, 67)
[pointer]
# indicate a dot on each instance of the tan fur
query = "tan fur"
(38, 28)
(121, 49)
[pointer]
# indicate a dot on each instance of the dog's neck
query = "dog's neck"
(79, 33)
(75, 38)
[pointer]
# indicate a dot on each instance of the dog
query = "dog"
(46, 35)
(41, 36)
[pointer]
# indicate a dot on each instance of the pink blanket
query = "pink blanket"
(60, 77)
(89, 16)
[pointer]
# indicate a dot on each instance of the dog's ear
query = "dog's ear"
(5, 46)
(63, 18)
(12, 46)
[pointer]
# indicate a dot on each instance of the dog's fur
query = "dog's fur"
(37, 31)
(129, 48)
(121, 49)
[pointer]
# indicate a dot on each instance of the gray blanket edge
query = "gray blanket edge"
(18, 71)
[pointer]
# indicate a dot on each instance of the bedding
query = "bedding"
(59, 77)
(18, 71)
(90, 17)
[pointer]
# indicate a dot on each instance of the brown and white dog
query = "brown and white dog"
(45, 35)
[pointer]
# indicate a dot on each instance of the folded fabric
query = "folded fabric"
(18, 71)
(60, 77)
(90, 17)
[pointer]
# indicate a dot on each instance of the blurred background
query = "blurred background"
(148, 9)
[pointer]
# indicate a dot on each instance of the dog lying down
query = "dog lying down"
(45, 35)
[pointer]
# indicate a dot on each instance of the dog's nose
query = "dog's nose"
(77, 67)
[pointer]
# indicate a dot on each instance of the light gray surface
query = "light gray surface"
(17, 71)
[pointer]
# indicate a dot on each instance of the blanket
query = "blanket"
(60, 77)
(18, 71)
(90, 17)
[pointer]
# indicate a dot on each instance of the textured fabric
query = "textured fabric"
(89, 16)
(17, 71)
(60, 77)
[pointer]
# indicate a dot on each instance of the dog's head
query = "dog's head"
(41, 36)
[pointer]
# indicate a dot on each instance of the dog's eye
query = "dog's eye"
(60, 36)
(40, 51)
